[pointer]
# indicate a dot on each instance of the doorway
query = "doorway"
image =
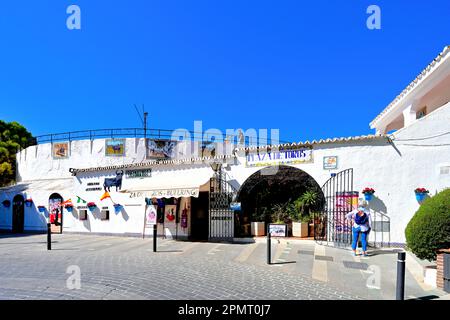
(200, 217)
(18, 220)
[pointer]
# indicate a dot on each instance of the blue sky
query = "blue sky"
(309, 68)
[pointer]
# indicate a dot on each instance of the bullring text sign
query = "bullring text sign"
(279, 157)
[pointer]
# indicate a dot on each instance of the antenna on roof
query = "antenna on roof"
(143, 120)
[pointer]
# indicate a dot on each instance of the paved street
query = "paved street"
(126, 268)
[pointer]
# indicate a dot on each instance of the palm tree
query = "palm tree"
(307, 201)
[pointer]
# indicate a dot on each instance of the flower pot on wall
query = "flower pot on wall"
(300, 229)
(69, 209)
(368, 196)
(420, 196)
(41, 209)
(258, 229)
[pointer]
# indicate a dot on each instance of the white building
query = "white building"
(411, 149)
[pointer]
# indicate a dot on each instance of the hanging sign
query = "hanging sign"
(279, 157)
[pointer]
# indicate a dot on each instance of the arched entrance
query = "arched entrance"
(270, 190)
(55, 209)
(18, 218)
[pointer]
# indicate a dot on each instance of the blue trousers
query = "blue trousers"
(356, 232)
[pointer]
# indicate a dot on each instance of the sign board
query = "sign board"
(279, 157)
(150, 215)
(167, 193)
(330, 163)
(138, 174)
(278, 230)
(236, 206)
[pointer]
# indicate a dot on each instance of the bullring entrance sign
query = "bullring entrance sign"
(279, 157)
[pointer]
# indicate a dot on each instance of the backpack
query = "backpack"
(361, 220)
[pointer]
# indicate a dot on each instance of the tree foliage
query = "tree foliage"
(13, 137)
(429, 229)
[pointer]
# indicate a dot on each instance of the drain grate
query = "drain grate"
(355, 265)
(324, 258)
(306, 252)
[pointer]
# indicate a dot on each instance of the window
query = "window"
(104, 214)
(83, 215)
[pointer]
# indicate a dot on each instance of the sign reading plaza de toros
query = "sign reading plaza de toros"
(279, 157)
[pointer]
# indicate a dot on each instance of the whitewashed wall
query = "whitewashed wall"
(393, 170)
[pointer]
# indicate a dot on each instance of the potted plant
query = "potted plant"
(300, 221)
(258, 226)
(280, 215)
(368, 193)
(302, 214)
(41, 209)
(29, 202)
(92, 206)
(6, 203)
(421, 193)
(69, 207)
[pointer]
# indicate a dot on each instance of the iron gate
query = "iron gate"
(330, 225)
(221, 216)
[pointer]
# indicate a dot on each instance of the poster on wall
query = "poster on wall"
(330, 163)
(208, 149)
(60, 150)
(115, 147)
(347, 201)
(160, 149)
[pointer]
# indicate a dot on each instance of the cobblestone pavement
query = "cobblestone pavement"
(126, 268)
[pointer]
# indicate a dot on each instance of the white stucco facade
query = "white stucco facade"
(417, 155)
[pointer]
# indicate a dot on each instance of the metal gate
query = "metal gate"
(330, 225)
(221, 216)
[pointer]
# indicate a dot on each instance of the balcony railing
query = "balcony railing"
(159, 134)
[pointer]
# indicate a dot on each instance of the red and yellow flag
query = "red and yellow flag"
(105, 196)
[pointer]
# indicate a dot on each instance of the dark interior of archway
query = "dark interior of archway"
(261, 192)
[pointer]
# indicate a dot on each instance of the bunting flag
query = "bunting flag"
(68, 202)
(105, 196)
(81, 200)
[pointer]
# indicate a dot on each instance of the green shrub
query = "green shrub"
(429, 229)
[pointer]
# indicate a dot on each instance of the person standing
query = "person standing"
(362, 224)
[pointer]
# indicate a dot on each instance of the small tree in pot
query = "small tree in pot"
(301, 216)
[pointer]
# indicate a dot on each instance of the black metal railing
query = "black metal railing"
(163, 134)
